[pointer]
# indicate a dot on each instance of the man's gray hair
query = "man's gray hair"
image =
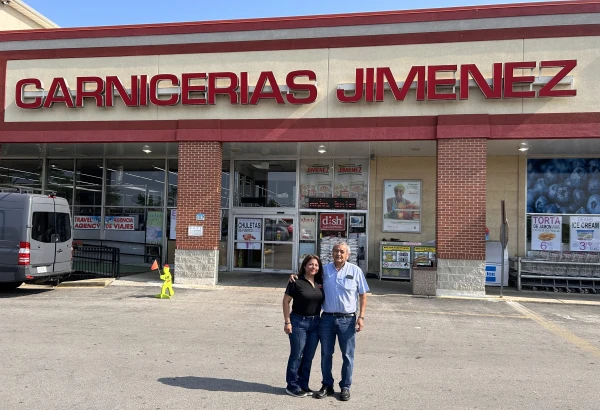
(342, 243)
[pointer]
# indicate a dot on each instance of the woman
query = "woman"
(302, 325)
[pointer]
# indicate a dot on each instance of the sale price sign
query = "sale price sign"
(585, 233)
(546, 233)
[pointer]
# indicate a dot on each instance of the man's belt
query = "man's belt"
(336, 314)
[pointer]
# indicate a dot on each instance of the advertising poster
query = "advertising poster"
(585, 233)
(308, 227)
(351, 180)
(395, 261)
(172, 231)
(306, 249)
(424, 256)
(248, 232)
(563, 186)
(121, 223)
(315, 180)
(332, 222)
(86, 222)
(154, 228)
(546, 233)
(357, 221)
(402, 206)
(113, 223)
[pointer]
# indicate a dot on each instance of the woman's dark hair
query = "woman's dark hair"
(319, 275)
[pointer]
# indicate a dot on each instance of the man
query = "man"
(343, 284)
(397, 202)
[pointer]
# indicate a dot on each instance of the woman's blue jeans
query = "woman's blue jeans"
(303, 345)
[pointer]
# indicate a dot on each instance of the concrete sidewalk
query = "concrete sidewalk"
(378, 288)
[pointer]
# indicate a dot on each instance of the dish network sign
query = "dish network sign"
(369, 85)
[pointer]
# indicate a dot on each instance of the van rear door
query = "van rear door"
(64, 242)
(43, 228)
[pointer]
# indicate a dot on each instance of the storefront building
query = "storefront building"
(243, 145)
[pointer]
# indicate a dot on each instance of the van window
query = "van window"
(63, 226)
(46, 224)
(43, 226)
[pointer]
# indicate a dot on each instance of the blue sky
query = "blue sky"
(77, 13)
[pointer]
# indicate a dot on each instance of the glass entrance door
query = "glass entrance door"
(264, 243)
(248, 243)
(278, 244)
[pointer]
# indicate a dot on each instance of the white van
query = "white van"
(35, 239)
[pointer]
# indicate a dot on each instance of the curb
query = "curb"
(87, 283)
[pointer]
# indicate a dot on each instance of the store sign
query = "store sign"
(546, 233)
(332, 222)
(585, 233)
(432, 83)
(115, 223)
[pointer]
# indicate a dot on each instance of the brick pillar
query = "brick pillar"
(198, 192)
(460, 216)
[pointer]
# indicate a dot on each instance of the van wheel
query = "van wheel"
(9, 285)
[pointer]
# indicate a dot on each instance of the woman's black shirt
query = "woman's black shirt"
(307, 300)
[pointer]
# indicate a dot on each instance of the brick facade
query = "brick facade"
(461, 198)
(199, 191)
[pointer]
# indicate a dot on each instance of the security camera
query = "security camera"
(5, 2)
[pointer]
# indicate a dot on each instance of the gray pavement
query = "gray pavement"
(118, 347)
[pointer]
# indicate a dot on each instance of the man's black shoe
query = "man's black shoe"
(345, 396)
(308, 391)
(324, 392)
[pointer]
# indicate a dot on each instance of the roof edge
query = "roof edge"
(32, 14)
(311, 21)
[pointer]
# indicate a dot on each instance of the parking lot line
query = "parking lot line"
(556, 329)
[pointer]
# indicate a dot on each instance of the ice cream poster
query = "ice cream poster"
(585, 233)
(563, 186)
(248, 233)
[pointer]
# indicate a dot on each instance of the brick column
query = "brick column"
(460, 216)
(198, 192)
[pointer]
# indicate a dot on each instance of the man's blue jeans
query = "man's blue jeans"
(303, 345)
(345, 330)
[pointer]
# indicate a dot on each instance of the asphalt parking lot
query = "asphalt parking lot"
(118, 347)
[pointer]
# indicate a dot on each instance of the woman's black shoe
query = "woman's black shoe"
(345, 396)
(324, 392)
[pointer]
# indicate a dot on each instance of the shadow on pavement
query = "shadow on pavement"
(223, 385)
(24, 291)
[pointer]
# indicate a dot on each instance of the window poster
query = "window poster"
(352, 180)
(546, 232)
(248, 232)
(563, 186)
(308, 227)
(154, 228)
(402, 205)
(585, 233)
(172, 231)
(316, 177)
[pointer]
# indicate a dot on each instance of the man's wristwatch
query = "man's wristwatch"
(361, 317)
(287, 323)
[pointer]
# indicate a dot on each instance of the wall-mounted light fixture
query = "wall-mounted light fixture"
(523, 147)
(146, 149)
(321, 149)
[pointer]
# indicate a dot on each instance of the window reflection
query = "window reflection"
(60, 177)
(135, 182)
(21, 172)
(88, 182)
(265, 183)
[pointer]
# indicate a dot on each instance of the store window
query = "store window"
(21, 172)
(135, 182)
(265, 184)
(60, 176)
(339, 178)
(173, 179)
(563, 206)
(88, 183)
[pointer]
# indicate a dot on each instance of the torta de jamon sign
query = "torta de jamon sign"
(430, 83)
